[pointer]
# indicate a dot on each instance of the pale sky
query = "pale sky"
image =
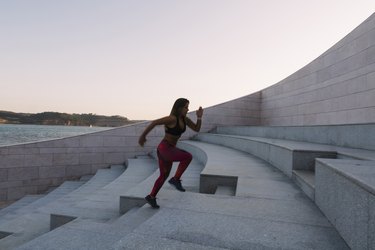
(135, 57)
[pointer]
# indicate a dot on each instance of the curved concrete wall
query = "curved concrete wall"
(336, 88)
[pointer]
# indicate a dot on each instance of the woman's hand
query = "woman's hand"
(199, 112)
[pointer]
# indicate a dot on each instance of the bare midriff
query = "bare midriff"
(172, 139)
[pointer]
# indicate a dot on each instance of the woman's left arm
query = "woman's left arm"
(196, 126)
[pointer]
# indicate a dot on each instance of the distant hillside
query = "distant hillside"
(55, 118)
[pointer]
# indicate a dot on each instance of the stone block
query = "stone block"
(53, 150)
(343, 201)
(3, 174)
(38, 160)
(28, 173)
(371, 222)
(19, 192)
(114, 158)
(91, 141)
(90, 158)
(12, 161)
(18, 150)
(51, 172)
(65, 159)
(4, 150)
(3, 194)
(78, 170)
(113, 141)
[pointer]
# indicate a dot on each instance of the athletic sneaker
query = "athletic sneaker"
(151, 201)
(177, 184)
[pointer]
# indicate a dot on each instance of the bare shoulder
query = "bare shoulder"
(166, 120)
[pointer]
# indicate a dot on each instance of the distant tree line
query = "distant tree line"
(56, 118)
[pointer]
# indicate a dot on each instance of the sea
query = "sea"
(11, 134)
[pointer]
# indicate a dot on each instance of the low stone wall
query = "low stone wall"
(34, 167)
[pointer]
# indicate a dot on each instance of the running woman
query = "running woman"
(175, 126)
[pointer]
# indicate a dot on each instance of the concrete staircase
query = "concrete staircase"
(243, 192)
(28, 222)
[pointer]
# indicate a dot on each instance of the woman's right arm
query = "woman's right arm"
(168, 120)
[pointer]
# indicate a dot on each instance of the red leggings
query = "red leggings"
(167, 154)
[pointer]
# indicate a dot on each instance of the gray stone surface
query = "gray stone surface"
(211, 229)
(140, 241)
(344, 202)
(32, 223)
(286, 155)
(371, 230)
(305, 179)
(88, 234)
(103, 204)
(348, 135)
(265, 188)
(19, 204)
(65, 188)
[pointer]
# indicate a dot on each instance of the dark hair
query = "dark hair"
(178, 104)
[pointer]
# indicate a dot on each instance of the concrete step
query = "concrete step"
(103, 204)
(283, 154)
(64, 189)
(305, 179)
(89, 234)
(204, 221)
(34, 222)
(337, 135)
(20, 203)
(248, 175)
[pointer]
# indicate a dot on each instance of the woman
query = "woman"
(175, 125)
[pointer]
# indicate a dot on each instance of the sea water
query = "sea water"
(15, 134)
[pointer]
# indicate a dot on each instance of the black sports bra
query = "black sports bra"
(176, 130)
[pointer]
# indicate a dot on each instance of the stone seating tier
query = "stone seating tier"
(343, 187)
(103, 204)
(34, 219)
(345, 192)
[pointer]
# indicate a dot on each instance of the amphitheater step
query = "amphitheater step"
(283, 154)
(35, 220)
(204, 221)
(248, 175)
(20, 203)
(103, 205)
(88, 234)
(15, 212)
(305, 179)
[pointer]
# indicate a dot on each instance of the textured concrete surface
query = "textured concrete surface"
(345, 135)
(286, 155)
(345, 202)
(34, 219)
